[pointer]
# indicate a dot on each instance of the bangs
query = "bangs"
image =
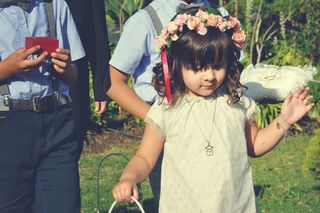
(203, 51)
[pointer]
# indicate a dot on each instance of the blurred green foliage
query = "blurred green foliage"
(306, 30)
(311, 163)
(266, 113)
(118, 11)
(315, 91)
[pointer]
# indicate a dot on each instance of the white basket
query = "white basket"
(270, 82)
(136, 201)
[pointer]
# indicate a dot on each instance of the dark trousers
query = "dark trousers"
(79, 92)
(38, 162)
(155, 182)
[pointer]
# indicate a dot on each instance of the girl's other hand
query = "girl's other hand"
(61, 60)
(296, 105)
(124, 190)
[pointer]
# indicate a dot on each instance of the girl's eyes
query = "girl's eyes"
(215, 68)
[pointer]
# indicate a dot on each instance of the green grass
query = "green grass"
(284, 188)
(110, 171)
(278, 179)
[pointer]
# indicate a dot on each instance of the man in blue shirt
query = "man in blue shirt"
(38, 161)
(136, 55)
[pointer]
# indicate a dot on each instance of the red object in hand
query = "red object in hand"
(47, 44)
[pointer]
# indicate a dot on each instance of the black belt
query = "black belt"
(44, 104)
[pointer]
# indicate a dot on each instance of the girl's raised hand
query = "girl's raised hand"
(296, 105)
(61, 60)
(124, 190)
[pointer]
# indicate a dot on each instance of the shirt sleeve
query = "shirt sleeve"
(67, 32)
(133, 44)
(249, 106)
(156, 117)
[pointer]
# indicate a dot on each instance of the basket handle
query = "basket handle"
(135, 200)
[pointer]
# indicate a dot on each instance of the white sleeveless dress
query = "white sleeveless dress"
(194, 179)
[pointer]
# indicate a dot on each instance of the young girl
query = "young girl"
(207, 128)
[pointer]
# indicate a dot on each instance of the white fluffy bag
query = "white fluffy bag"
(273, 83)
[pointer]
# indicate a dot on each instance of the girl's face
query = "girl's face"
(203, 82)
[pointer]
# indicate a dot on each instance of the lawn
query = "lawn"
(279, 184)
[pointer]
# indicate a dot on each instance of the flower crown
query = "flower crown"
(200, 23)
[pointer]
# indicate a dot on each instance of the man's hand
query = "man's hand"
(100, 107)
(62, 64)
(61, 60)
(17, 62)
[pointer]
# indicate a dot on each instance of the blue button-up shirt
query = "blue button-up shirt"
(135, 53)
(16, 25)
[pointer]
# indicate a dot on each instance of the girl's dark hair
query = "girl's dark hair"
(194, 51)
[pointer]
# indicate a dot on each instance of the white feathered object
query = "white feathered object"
(270, 82)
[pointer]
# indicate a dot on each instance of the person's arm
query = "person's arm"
(101, 56)
(123, 95)
(295, 106)
(17, 62)
(70, 46)
(62, 64)
(140, 165)
(126, 59)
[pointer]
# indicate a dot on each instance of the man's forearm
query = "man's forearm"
(123, 95)
(128, 99)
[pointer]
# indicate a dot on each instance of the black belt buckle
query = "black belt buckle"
(36, 104)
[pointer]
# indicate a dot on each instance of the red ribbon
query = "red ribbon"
(166, 74)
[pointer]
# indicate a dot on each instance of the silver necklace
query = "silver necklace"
(209, 148)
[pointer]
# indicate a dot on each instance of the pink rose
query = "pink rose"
(193, 22)
(232, 22)
(237, 26)
(212, 20)
(172, 27)
(223, 25)
(201, 29)
(202, 15)
(181, 19)
(239, 38)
